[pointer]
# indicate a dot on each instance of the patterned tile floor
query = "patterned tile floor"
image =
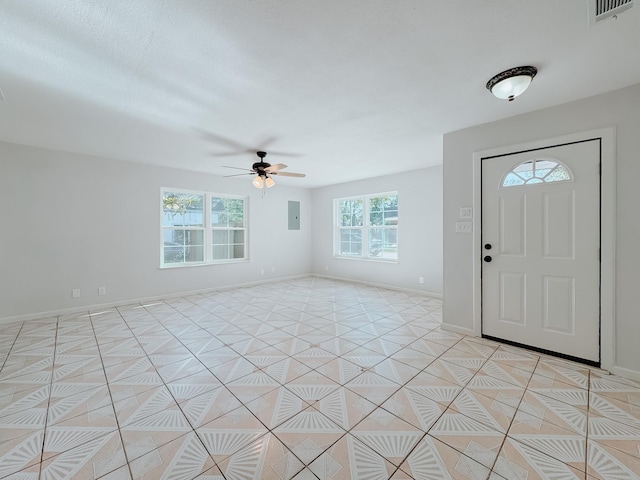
(303, 379)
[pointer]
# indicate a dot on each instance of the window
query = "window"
(536, 171)
(367, 227)
(201, 228)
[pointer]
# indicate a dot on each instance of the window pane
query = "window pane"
(559, 174)
(536, 171)
(227, 212)
(350, 241)
(220, 252)
(383, 243)
(351, 213)
(183, 246)
(182, 209)
(238, 251)
(228, 244)
(383, 210)
(236, 236)
(220, 237)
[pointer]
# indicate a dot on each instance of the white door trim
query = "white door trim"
(607, 240)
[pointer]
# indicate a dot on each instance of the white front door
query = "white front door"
(541, 248)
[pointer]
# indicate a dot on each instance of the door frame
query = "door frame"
(607, 137)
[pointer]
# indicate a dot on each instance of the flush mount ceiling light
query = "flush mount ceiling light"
(509, 84)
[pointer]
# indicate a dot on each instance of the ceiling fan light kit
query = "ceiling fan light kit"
(511, 83)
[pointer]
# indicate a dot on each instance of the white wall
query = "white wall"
(620, 109)
(76, 221)
(419, 231)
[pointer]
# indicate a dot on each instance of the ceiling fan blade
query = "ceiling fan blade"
(288, 174)
(231, 154)
(238, 168)
(219, 139)
(284, 154)
(239, 174)
(275, 168)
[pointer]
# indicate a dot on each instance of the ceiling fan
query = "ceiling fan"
(264, 172)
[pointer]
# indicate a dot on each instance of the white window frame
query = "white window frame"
(207, 228)
(364, 229)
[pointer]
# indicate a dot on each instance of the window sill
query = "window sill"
(202, 264)
(367, 259)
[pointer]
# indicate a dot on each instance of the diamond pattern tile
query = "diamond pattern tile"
(319, 379)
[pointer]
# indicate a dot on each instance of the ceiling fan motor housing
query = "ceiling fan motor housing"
(260, 167)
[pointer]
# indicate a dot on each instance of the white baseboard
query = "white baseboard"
(154, 298)
(460, 330)
(379, 285)
(626, 373)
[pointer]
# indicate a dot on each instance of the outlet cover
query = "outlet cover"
(75, 293)
(464, 227)
(102, 290)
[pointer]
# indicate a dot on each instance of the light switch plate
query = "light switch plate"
(466, 212)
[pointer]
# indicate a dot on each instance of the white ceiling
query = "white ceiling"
(357, 88)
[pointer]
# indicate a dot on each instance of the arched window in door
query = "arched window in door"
(537, 170)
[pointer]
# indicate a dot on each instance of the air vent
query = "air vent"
(602, 9)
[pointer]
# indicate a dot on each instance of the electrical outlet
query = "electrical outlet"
(326, 268)
(75, 293)
(102, 291)
(273, 269)
(262, 271)
(464, 227)
(420, 280)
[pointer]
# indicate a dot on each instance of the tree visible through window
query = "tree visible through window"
(367, 227)
(195, 234)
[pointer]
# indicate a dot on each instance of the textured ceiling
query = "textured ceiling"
(350, 88)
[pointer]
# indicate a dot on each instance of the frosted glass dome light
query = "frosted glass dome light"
(509, 84)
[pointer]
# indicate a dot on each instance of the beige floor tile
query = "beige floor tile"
(90, 459)
(564, 445)
(611, 433)
(414, 408)
(208, 406)
(348, 458)
(276, 406)
(604, 463)
(506, 372)
(20, 452)
(451, 372)
(555, 411)
(388, 435)
(344, 407)
(518, 461)
(565, 372)
(365, 359)
(184, 457)
(433, 459)
(154, 431)
(339, 370)
(133, 408)
(433, 387)
(492, 413)
(193, 385)
(610, 407)
(468, 436)
(265, 458)
(68, 401)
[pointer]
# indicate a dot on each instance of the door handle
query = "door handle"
(487, 246)
(488, 258)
